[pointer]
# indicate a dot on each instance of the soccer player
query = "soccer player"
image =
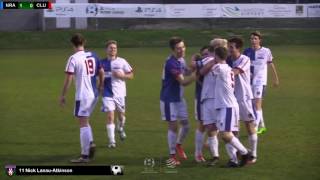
(83, 67)
(199, 136)
(117, 71)
(241, 68)
(172, 104)
(260, 58)
(226, 105)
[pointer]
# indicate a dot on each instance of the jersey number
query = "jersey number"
(89, 66)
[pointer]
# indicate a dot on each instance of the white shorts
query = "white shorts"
(84, 107)
(198, 110)
(246, 110)
(228, 119)
(113, 103)
(209, 113)
(172, 111)
(258, 91)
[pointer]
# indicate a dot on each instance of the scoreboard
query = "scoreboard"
(25, 5)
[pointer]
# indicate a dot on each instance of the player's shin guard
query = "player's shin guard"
(183, 132)
(172, 139)
(214, 146)
(238, 145)
(198, 142)
(85, 140)
(253, 141)
(232, 153)
(110, 131)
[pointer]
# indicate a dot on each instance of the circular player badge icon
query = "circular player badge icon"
(10, 170)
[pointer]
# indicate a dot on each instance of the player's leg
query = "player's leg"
(108, 106)
(120, 107)
(168, 116)
(248, 117)
(258, 93)
(199, 138)
(213, 143)
(82, 111)
(228, 122)
(182, 114)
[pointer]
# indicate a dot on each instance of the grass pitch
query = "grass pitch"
(36, 131)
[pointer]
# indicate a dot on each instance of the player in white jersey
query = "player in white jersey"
(240, 65)
(172, 104)
(83, 67)
(226, 105)
(117, 71)
(260, 58)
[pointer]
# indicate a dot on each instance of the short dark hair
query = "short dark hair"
(256, 33)
(109, 42)
(221, 52)
(211, 48)
(204, 48)
(174, 41)
(238, 41)
(77, 40)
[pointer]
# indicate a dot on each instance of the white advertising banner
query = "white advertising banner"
(313, 10)
(183, 10)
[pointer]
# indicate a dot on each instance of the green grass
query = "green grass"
(35, 131)
(151, 38)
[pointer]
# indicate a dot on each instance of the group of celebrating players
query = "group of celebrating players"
(230, 86)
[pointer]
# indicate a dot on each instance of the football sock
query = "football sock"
(198, 142)
(172, 139)
(253, 141)
(237, 144)
(110, 131)
(232, 152)
(183, 131)
(262, 125)
(214, 146)
(90, 134)
(85, 140)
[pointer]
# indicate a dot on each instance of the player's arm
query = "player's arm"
(66, 86)
(101, 80)
(206, 68)
(237, 71)
(274, 74)
(185, 81)
(123, 76)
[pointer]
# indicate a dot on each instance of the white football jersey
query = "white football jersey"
(209, 81)
(259, 64)
(84, 66)
(113, 86)
(224, 88)
(242, 88)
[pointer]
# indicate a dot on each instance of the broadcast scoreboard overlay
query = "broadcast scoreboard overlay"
(25, 5)
(16, 170)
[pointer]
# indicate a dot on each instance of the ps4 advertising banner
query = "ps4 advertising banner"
(97, 10)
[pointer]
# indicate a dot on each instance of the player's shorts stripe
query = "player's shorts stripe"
(228, 119)
(254, 111)
(76, 110)
(263, 91)
(167, 111)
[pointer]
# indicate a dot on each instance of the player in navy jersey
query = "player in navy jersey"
(199, 136)
(172, 104)
(261, 57)
(83, 67)
(117, 71)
